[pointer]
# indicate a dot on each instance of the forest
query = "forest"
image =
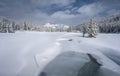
(107, 25)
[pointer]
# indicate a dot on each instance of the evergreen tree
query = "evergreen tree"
(92, 29)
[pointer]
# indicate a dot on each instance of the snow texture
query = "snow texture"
(29, 53)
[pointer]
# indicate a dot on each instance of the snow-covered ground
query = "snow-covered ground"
(29, 53)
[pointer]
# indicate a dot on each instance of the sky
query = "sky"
(68, 12)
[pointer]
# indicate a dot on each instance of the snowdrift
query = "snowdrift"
(30, 53)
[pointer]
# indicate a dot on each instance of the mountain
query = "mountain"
(49, 25)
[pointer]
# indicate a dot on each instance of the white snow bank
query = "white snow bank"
(49, 54)
(27, 53)
(96, 46)
(18, 51)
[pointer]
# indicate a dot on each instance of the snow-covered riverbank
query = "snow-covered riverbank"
(27, 53)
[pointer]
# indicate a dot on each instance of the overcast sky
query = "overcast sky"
(69, 12)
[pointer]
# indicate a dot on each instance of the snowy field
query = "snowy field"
(29, 53)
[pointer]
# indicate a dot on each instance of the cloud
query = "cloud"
(57, 11)
(36, 17)
(52, 2)
(66, 17)
(14, 9)
(113, 12)
(63, 15)
(111, 3)
(91, 9)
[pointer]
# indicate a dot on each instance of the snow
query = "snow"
(17, 51)
(49, 25)
(29, 53)
(50, 53)
(97, 46)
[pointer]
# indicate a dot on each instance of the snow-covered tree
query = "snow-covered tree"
(84, 29)
(25, 26)
(92, 29)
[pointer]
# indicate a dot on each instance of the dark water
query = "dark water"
(72, 64)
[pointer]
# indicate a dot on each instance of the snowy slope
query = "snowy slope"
(18, 52)
(29, 53)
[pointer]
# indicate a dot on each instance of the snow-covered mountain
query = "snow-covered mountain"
(49, 25)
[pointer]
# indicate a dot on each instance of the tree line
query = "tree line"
(110, 24)
(106, 25)
(8, 26)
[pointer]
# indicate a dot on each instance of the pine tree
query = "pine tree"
(92, 29)
(84, 29)
(25, 26)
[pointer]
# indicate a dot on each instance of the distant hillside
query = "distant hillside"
(106, 25)
(110, 24)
